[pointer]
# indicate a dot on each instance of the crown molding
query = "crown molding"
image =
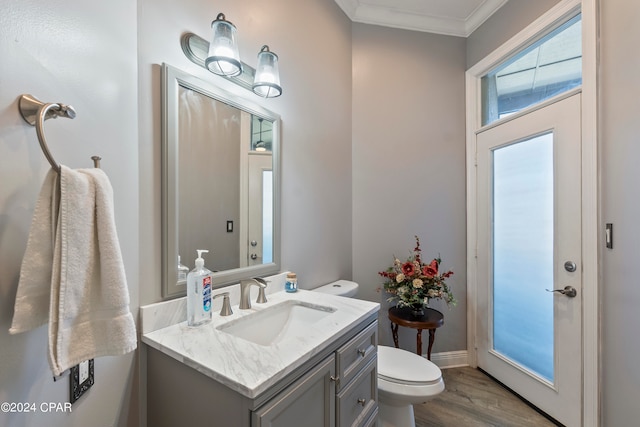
(404, 19)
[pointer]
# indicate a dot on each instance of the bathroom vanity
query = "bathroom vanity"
(300, 359)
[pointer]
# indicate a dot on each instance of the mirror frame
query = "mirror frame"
(172, 79)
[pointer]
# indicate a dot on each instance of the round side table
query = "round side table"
(431, 320)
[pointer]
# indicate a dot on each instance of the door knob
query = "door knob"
(569, 291)
(570, 266)
(254, 256)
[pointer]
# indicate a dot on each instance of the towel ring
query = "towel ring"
(35, 112)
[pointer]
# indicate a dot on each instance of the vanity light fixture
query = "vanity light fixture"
(267, 79)
(223, 57)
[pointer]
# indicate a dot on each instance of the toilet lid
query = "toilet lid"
(339, 287)
(404, 367)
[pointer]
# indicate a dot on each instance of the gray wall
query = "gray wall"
(409, 163)
(620, 151)
(509, 20)
(83, 54)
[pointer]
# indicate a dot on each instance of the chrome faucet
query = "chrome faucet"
(245, 292)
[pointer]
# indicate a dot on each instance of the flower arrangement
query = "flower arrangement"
(413, 283)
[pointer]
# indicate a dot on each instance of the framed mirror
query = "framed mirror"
(220, 183)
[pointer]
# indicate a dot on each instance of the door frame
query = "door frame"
(591, 411)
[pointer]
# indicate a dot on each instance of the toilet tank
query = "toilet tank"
(345, 288)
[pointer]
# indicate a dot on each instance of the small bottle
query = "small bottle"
(183, 270)
(291, 285)
(199, 281)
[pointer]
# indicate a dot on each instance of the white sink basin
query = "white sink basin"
(284, 320)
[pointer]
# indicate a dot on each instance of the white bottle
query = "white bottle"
(199, 281)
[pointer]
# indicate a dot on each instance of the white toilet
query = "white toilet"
(404, 378)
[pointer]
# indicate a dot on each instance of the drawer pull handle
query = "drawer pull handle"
(362, 401)
(362, 352)
(334, 379)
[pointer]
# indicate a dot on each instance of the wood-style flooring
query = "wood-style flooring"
(473, 399)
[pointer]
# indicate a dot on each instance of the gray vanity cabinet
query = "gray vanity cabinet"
(337, 387)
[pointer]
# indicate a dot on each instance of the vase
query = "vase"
(417, 310)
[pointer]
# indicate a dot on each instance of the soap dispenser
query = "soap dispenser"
(199, 282)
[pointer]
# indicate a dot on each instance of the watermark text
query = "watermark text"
(25, 407)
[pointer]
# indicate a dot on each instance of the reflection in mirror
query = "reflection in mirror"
(220, 182)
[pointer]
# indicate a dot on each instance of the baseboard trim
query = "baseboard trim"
(450, 359)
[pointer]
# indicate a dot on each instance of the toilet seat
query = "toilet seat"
(403, 367)
(404, 378)
(409, 383)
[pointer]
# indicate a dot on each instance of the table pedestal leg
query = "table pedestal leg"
(419, 343)
(394, 332)
(432, 337)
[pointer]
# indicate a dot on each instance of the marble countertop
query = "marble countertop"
(247, 367)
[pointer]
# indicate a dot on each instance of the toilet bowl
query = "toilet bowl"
(404, 378)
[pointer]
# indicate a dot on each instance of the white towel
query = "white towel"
(72, 274)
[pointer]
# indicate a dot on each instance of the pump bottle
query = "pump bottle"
(199, 282)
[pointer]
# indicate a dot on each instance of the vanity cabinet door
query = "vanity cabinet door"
(310, 401)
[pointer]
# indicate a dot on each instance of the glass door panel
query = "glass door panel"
(523, 249)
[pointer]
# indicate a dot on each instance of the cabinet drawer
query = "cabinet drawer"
(355, 354)
(357, 403)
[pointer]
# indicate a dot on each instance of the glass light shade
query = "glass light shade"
(267, 79)
(223, 57)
